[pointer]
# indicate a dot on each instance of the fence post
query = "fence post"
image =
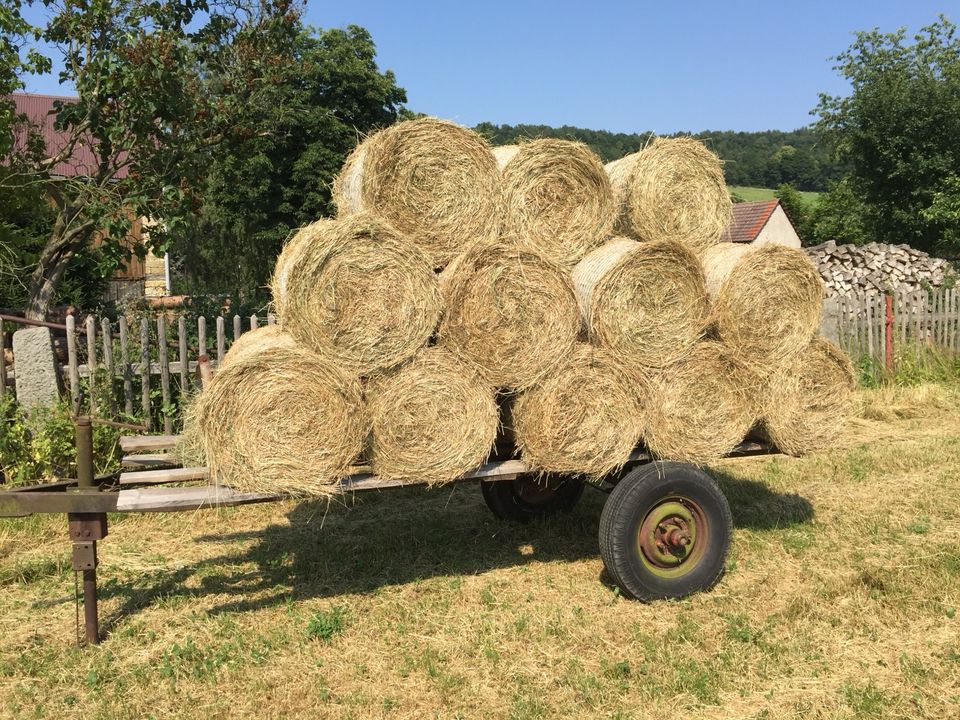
(164, 372)
(221, 341)
(3, 361)
(145, 372)
(125, 361)
(108, 360)
(92, 361)
(182, 351)
(74, 363)
(888, 305)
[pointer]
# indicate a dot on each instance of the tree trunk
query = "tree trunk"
(43, 283)
(54, 259)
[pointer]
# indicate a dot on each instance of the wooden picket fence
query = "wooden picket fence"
(144, 368)
(883, 327)
(129, 358)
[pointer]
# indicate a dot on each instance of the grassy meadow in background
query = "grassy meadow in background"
(752, 194)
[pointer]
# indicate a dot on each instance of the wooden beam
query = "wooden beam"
(138, 443)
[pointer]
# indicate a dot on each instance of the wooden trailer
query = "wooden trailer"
(664, 530)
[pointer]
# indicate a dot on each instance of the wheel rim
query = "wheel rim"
(673, 537)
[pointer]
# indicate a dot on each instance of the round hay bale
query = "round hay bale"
(767, 301)
(672, 189)
(701, 407)
(432, 420)
(806, 404)
(360, 295)
(434, 181)
(557, 197)
(584, 418)
(257, 340)
(291, 252)
(646, 302)
(280, 420)
(508, 311)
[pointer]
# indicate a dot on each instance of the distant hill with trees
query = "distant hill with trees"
(759, 159)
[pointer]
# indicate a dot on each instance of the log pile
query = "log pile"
(875, 268)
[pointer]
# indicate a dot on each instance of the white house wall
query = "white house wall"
(778, 230)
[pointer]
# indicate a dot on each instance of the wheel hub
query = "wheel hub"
(668, 536)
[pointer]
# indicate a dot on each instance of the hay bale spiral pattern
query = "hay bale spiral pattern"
(700, 408)
(767, 301)
(435, 181)
(584, 418)
(359, 294)
(508, 311)
(558, 198)
(673, 189)
(280, 420)
(432, 420)
(646, 302)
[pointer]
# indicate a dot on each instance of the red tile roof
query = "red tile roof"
(39, 109)
(748, 220)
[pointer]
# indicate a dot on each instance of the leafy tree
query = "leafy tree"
(759, 159)
(261, 188)
(838, 215)
(159, 82)
(899, 130)
(796, 209)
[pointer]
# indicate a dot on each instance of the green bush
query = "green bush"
(41, 447)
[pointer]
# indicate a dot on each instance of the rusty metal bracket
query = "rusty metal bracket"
(85, 555)
(84, 527)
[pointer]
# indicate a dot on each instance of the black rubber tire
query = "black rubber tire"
(505, 498)
(639, 492)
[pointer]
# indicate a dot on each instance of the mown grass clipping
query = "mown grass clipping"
(701, 407)
(672, 189)
(557, 196)
(806, 404)
(359, 294)
(646, 302)
(280, 420)
(584, 418)
(508, 311)
(767, 301)
(434, 181)
(432, 420)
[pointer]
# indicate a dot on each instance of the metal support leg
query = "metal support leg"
(85, 530)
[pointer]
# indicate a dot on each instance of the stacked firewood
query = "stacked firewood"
(876, 268)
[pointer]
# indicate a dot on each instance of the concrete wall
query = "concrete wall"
(778, 230)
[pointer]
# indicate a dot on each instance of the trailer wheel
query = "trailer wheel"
(665, 531)
(528, 497)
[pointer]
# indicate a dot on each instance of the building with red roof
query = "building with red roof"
(759, 223)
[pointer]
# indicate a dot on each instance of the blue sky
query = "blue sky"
(620, 66)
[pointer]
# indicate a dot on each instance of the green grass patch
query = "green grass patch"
(753, 194)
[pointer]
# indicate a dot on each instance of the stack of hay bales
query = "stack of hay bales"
(463, 291)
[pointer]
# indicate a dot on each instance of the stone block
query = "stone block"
(37, 375)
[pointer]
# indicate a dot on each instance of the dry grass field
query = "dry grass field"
(839, 601)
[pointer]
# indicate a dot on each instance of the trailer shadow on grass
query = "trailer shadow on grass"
(401, 536)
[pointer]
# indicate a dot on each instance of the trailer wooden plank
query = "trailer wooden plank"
(170, 475)
(139, 443)
(148, 461)
(186, 498)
